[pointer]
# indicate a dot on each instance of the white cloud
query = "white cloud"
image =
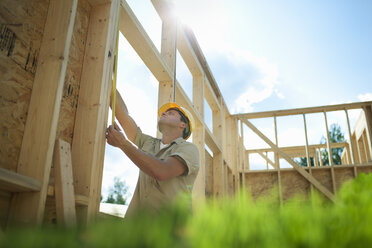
(365, 97)
(279, 94)
(252, 78)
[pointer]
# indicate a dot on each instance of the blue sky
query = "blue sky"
(265, 55)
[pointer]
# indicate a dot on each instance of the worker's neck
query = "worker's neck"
(168, 137)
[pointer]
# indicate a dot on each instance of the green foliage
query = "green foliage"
(235, 222)
(118, 193)
(335, 135)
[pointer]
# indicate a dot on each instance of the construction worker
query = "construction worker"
(168, 166)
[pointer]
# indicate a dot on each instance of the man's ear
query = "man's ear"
(183, 124)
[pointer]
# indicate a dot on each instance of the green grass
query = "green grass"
(238, 222)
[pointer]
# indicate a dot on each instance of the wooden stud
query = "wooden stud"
(218, 175)
(36, 153)
(64, 189)
(198, 138)
(137, 37)
(365, 147)
(277, 163)
(330, 154)
(368, 116)
(218, 165)
(307, 154)
(352, 149)
(302, 171)
(320, 158)
(356, 140)
(329, 148)
(316, 158)
(306, 143)
(244, 153)
(88, 143)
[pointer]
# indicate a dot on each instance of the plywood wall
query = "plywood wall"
(73, 73)
(261, 183)
(21, 31)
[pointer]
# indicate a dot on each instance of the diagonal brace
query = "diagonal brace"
(300, 170)
(267, 159)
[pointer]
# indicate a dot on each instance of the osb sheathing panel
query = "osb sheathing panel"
(364, 169)
(324, 176)
(73, 73)
(293, 183)
(261, 183)
(342, 175)
(21, 29)
(4, 206)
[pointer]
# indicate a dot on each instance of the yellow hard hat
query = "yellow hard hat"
(185, 112)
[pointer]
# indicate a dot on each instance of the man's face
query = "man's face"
(171, 118)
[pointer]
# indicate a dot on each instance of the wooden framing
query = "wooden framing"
(359, 137)
(40, 131)
(64, 185)
(302, 171)
(26, 186)
(88, 143)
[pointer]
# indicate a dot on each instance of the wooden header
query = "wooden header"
(298, 111)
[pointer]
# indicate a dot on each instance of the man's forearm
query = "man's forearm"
(147, 163)
(121, 113)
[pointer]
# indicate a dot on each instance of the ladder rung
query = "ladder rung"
(13, 182)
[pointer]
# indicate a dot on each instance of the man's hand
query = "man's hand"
(115, 137)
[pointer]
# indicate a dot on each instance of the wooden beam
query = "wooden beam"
(329, 148)
(211, 141)
(219, 172)
(210, 97)
(368, 117)
(35, 157)
(168, 54)
(88, 144)
(133, 31)
(198, 95)
(98, 2)
(277, 162)
(243, 155)
(218, 175)
(307, 153)
(184, 46)
(64, 188)
(301, 170)
(300, 111)
(187, 53)
(11, 181)
(198, 138)
(295, 149)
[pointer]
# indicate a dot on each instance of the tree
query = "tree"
(335, 136)
(118, 193)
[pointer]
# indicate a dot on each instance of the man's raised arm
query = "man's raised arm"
(121, 113)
